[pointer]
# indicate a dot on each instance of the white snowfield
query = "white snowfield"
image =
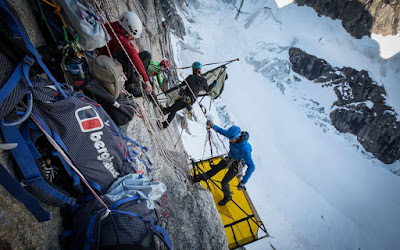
(313, 187)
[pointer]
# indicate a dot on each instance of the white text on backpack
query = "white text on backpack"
(104, 156)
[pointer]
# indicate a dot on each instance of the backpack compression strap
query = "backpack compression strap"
(26, 162)
(17, 31)
(156, 230)
(19, 193)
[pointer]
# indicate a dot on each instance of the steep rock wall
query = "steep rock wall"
(194, 222)
(361, 17)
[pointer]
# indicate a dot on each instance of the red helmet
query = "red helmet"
(165, 63)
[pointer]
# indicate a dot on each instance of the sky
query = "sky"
(313, 187)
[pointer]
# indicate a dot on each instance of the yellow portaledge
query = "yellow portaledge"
(238, 216)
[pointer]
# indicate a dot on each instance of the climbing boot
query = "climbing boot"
(165, 125)
(165, 111)
(224, 201)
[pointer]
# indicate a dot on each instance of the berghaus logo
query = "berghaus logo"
(90, 121)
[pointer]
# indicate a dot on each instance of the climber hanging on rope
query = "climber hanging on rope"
(127, 29)
(239, 151)
(188, 96)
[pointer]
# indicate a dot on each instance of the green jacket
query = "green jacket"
(154, 70)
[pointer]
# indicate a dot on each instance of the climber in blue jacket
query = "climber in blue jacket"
(239, 151)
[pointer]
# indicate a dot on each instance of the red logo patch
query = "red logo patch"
(88, 119)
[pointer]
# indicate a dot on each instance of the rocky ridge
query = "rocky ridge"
(361, 17)
(360, 108)
(192, 222)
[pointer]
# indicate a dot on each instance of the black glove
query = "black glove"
(210, 124)
(241, 186)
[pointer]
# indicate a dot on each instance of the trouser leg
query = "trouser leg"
(132, 84)
(127, 67)
(145, 57)
(232, 172)
(215, 169)
(178, 105)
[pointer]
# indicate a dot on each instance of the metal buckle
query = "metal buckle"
(29, 60)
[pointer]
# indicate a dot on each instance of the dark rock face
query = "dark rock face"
(310, 67)
(361, 17)
(173, 19)
(360, 108)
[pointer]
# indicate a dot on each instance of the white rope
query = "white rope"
(146, 116)
(68, 160)
(130, 60)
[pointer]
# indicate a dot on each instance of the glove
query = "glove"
(210, 124)
(241, 186)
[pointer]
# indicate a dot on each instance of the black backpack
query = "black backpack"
(121, 111)
(129, 224)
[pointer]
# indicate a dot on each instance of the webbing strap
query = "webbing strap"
(22, 69)
(11, 83)
(17, 31)
(144, 148)
(22, 155)
(27, 164)
(19, 193)
(162, 234)
(90, 232)
(125, 200)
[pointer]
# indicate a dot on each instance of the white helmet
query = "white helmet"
(131, 24)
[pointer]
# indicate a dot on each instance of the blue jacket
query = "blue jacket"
(240, 152)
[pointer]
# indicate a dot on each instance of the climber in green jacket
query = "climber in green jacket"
(155, 69)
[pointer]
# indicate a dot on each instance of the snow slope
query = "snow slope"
(313, 187)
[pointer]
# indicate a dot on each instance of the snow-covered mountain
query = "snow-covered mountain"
(314, 187)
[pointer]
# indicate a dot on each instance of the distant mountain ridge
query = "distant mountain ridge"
(361, 17)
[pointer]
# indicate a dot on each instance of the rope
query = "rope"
(57, 10)
(146, 116)
(177, 141)
(164, 202)
(68, 160)
(130, 60)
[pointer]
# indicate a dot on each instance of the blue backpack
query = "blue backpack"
(81, 132)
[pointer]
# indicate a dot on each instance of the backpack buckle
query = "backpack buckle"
(33, 180)
(29, 60)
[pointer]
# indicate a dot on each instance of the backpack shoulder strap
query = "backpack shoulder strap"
(17, 31)
(162, 234)
(27, 164)
(19, 193)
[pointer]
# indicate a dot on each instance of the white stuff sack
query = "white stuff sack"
(84, 19)
(149, 190)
